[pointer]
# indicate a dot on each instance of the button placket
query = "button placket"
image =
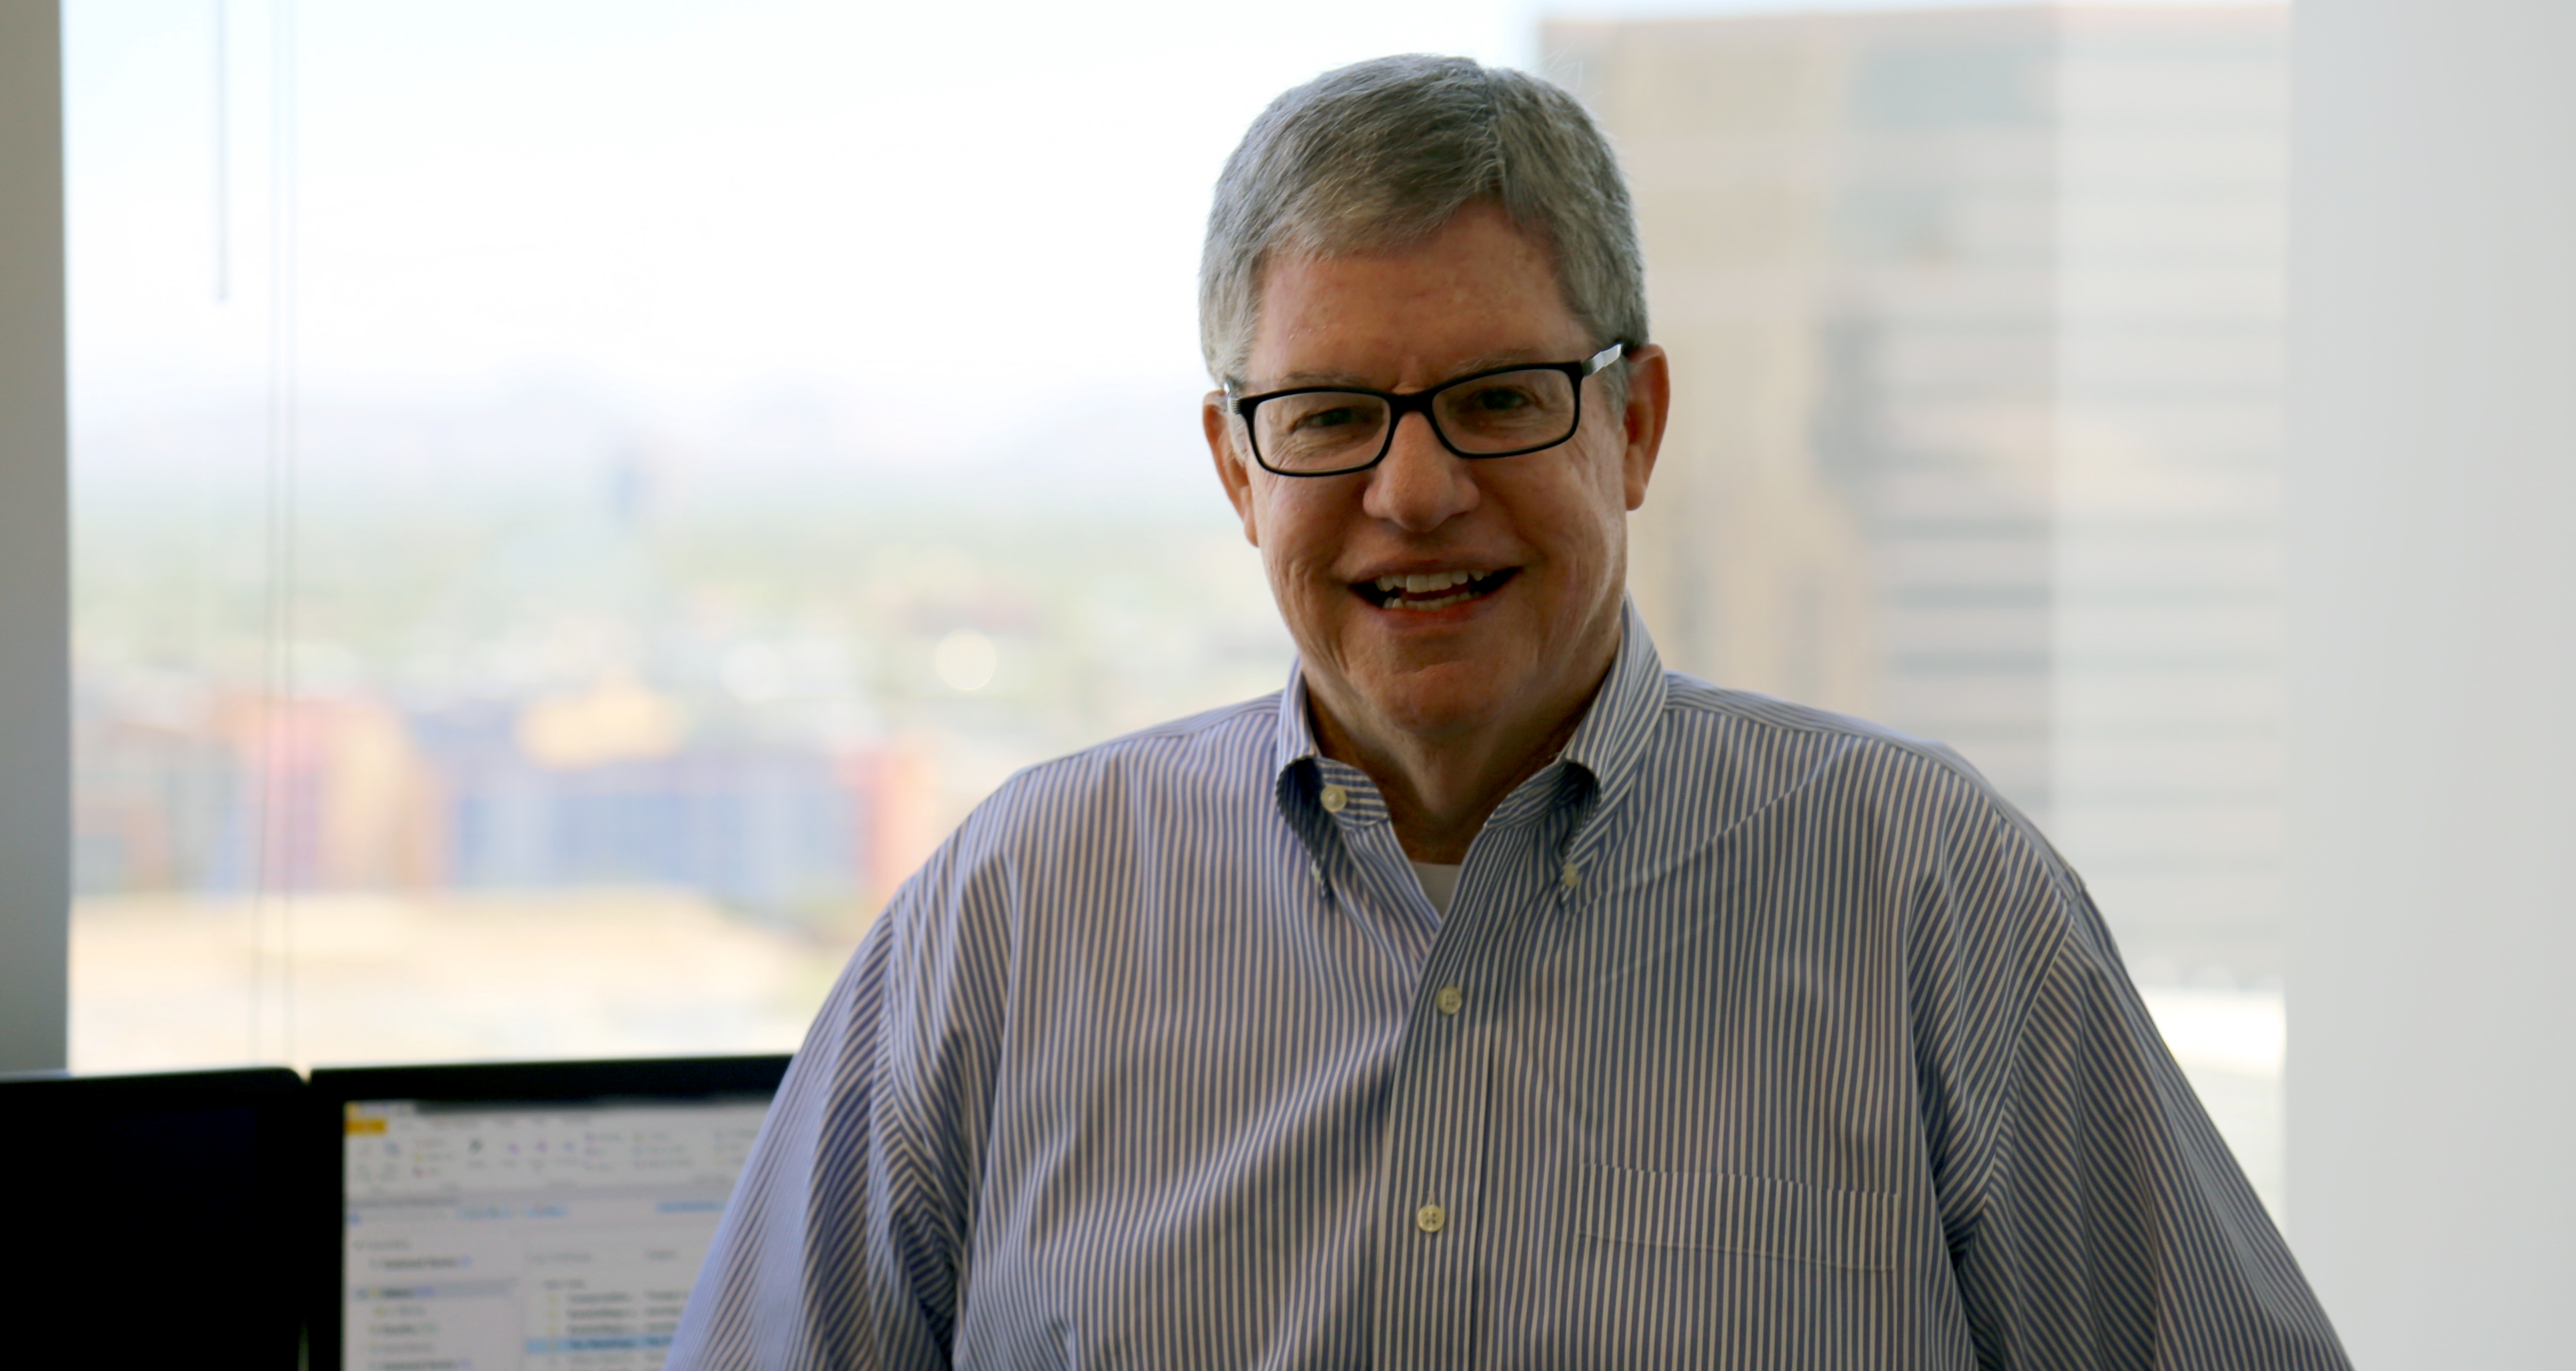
(1444, 1093)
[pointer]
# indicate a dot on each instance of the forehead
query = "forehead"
(1477, 292)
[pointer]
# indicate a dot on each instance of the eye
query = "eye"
(1499, 399)
(1336, 417)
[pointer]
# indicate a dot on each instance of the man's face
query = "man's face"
(1544, 535)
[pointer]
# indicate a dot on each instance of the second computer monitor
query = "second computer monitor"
(525, 1216)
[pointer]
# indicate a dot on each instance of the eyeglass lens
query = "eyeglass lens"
(1329, 430)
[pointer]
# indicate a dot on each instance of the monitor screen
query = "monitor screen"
(547, 1221)
(154, 1216)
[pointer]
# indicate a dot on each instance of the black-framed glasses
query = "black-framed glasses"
(1334, 430)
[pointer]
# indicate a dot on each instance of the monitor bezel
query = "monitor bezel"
(623, 1081)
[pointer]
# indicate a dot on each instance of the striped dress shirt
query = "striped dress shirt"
(1753, 1037)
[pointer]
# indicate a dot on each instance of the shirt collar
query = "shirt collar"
(1610, 743)
(1607, 747)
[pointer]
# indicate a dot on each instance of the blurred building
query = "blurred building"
(598, 789)
(1976, 321)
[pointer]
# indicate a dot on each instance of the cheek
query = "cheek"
(1586, 522)
(1609, 512)
(1294, 553)
(1292, 533)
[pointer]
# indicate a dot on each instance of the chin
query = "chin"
(1453, 697)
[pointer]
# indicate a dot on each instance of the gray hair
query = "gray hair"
(1382, 154)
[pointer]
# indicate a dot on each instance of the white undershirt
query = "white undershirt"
(1439, 882)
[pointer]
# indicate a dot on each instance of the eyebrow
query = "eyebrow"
(1487, 362)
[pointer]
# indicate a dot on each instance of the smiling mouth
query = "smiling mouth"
(1432, 590)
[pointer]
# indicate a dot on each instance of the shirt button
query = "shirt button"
(1316, 870)
(1431, 1218)
(1449, 999)
(1572, 876)
(1335, 798)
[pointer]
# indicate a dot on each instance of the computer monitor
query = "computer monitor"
(155, 1217)
(524, 1215)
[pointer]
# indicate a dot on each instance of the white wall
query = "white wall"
(35, 720)
(2432, 1067)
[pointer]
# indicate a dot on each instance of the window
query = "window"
(571, 502)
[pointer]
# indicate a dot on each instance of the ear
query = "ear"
(1650, 403)
(1230, 470)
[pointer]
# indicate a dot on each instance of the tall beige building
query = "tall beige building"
(1976, 319)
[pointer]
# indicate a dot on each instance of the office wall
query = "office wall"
(35, 721)
(2432, 1055)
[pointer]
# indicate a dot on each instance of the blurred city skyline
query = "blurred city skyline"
(690, 457)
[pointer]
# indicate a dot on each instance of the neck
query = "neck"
(1440, 789)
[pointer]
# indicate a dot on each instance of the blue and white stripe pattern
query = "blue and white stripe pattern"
(1755, 1037)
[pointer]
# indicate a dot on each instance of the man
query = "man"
(1490, 996)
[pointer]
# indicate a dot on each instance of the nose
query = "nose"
(1421, 484)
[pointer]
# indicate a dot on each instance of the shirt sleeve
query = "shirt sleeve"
(2111, 1227)
(843, 1243)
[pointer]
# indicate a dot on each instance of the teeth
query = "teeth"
(1422, 590)
(1424, 583)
